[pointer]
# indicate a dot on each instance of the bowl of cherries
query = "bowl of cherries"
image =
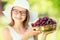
(45, 24)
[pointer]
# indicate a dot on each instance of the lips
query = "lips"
(18, 18)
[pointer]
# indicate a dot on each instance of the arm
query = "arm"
(36, 37)
(26, 38)
(44, 36)
(5, 34)
(31, 33)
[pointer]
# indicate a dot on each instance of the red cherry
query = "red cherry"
(34, 25)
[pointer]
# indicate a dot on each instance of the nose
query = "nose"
(18, 15)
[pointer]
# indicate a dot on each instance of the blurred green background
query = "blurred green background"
(50, 8)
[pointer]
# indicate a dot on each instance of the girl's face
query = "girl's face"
(18, 14)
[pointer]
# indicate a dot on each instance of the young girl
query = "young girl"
(19, 29)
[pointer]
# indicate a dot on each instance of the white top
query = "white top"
(17, 36)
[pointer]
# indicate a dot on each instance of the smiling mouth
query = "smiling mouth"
(18, 18)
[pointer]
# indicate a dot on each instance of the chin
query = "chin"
(19, 20)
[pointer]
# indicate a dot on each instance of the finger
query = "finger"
(34, 27)
(48, 32)
(37, 32)
(52, 31)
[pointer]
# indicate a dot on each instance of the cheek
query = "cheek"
(24, 17)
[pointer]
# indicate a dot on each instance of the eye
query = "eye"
(22, 12)
(16, 10)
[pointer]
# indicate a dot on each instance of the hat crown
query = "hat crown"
(21, 3)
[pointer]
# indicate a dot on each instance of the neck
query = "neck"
(18, 25)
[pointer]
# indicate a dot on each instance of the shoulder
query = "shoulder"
(5, 31)
(6, 34)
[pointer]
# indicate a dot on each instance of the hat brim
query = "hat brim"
(7, 13)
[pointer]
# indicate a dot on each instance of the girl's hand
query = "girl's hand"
(31, 32)
(46, 33)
